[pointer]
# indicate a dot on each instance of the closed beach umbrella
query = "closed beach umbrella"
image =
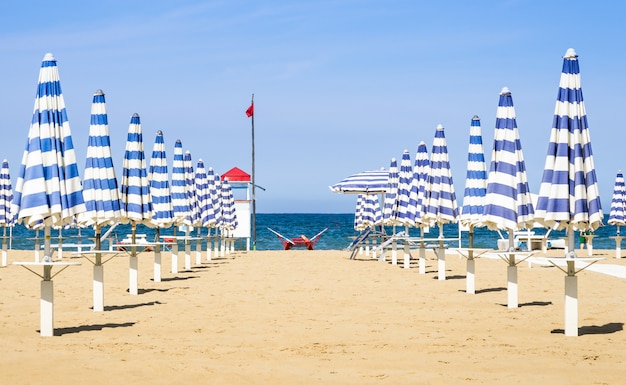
(508, 201)
(474, 197)
(390, 200)
(216, 202)
(135, 191)
(440, 207)
(366, 182)
(475, 180)
(192, 215)
(204, 206)
(7, 219)
(48, 191)
(100, 188)
(421, 171)
(160, 196)
(405, 214)
(617, 215)
(358, 213)
(569, 197)
(372, 214)
(180, 199)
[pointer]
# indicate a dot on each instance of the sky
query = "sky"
(339, 86)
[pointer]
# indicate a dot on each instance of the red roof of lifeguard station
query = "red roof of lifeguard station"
(236, 174)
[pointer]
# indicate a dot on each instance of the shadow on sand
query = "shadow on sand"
(612, 327)
(83, 328)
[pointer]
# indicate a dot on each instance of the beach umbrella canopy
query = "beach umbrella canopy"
(508, 201)
(229, 216)
(100, 189)
(421, 171)
(476, 178)
(569, 197)
(358, 213)
(391, 194)
(440, 204)
(6, 196)
(617, 215)
(135, 189)
(203, 196)
(158, 177)
(366, 182)
(367, 213)
(180, 198)
(215, 193)
(406, 208)
(190, 188)
(48, 191)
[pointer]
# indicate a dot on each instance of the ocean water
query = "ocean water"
(338, 236)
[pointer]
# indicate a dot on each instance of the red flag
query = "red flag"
(250, 110)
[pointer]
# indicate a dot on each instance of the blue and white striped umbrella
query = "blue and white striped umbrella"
(190, 188)
(508, 202)
(180, 198)
(367, 182)
(476, 178)
(215, 190)
(569, 197)
(617, 215)
(158, 177)
(7, 219)
(358, 213)
(135, 188)
(406, 210)
(440, 206)
(214, 198)
(48, 191)
(100, 188)
(390, 201)
(229, 216)
(421, 171)
(203, 195)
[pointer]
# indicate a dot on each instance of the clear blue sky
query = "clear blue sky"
(340, 86)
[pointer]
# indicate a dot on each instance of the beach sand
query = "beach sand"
(311, 317)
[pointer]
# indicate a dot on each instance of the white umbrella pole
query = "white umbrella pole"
(511, 274)
(98, 275)
(199, 247)
(37, 246)
(571, 291)
(60, 243)
(4, 248)
(187, 248)
(175, 253)
(407, 253)
(208, 244)
(133, 270)
(46, 302)
(422, 257)
(157, 256)
(394, 248)
(470, 278)
(441, 256)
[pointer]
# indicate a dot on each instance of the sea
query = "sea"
(338, 235)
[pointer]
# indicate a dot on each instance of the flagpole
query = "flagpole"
(253, 184)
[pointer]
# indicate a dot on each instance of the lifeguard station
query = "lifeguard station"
(241, 184)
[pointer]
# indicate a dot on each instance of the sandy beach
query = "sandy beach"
(310, 317)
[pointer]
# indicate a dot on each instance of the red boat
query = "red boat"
(301, 241)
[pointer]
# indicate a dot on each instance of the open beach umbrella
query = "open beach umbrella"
(100, 189)
(366, 182)
(617, 214)
(135, 192)
(7, 219)
(48, 191)
(508, 201)
(474, 197)
(569, 197)
(160, 196)
(440, 205)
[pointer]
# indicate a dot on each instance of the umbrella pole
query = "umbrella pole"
(4, 247)
(511, 274)
(470, 278)
(208, 244)
(407, 253)
(199, 247)
(175, 252)
(441, 256)
(422, 256)
(98, 274)
(394, 248)
(132, 271)
(46, 301)
(157, 255)
(187, 248)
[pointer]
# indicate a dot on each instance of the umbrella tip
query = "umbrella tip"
(440, 127)
(475, 117)
(160, 133)
(505, 90)
(99, 92)
(135, 115)
(48, 57)
(570, 53)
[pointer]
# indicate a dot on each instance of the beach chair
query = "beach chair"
(301, 241)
